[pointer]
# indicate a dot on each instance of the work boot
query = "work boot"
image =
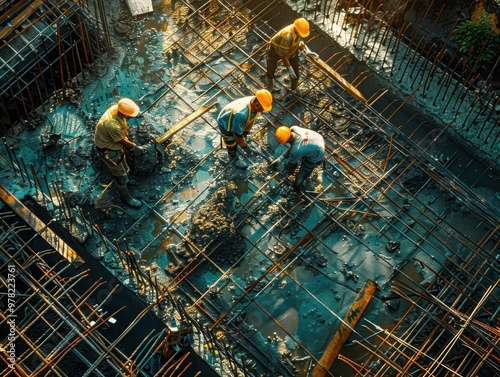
(269, 84)
(240, 164)
(127, 198)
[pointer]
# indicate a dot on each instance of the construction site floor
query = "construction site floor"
(268, 275)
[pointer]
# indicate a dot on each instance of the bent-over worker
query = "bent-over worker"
(236, 120)
(110, 138)
(307, 147)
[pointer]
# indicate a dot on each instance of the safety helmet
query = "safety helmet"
(265, 98)
(283, 134)
(128, 107)
(302, 27)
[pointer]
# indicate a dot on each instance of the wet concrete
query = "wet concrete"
(275, 271)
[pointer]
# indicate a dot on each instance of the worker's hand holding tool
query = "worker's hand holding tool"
(312, 55)
(309, 53)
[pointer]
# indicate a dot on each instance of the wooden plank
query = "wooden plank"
(32, 8)
(352, 317)
(183, 123)
(40, 227)
(13, 8)
(337, 77)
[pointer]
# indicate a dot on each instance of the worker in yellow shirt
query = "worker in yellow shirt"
(110, 138)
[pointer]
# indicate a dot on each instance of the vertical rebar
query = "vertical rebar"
(115, 241)
(375, 39)
(411, 60)
(431, 73)
(59, 45)
(493, 127)
(498, 134)
(17, 161)
(101, 235)
(422, 68)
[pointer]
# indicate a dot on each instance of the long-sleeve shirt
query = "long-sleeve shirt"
(307, 144)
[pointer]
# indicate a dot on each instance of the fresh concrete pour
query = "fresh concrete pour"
(272, 274)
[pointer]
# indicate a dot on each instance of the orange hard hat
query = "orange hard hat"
(128, 107)
(265, 99)
(302, 27)
(283, 134)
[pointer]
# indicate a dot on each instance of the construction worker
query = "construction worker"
(236, 120)
(285, 46)
(306, 147)
(110, 138)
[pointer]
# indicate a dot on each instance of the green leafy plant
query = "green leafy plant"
(478, 41)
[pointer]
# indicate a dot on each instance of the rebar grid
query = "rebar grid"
(56, 328)
(29, 73)
(443, 309)
(368, 184)
(371, 175)
(393, 38)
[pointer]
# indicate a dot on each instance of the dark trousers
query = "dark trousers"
(229, 142)
(272, 63)
(306, 168)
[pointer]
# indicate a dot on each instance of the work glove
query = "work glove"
(137, 150)
(276, 163)
(310, 53)
(293, 76)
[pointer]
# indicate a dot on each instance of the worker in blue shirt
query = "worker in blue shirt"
(236, 120)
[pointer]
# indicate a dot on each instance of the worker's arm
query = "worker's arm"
(309, 53)
(276, 163)
(132, 147)
(127, 144)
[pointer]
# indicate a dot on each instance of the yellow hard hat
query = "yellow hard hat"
(302, 27)
(128, 107)
(265, 98)
(283, 134)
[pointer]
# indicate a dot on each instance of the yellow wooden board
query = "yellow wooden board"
(40, 227)
(352, 317)
(18, 20)
(183, 123)
(337, 77)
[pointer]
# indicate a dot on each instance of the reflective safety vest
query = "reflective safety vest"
(237, 116)
(286, 42)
